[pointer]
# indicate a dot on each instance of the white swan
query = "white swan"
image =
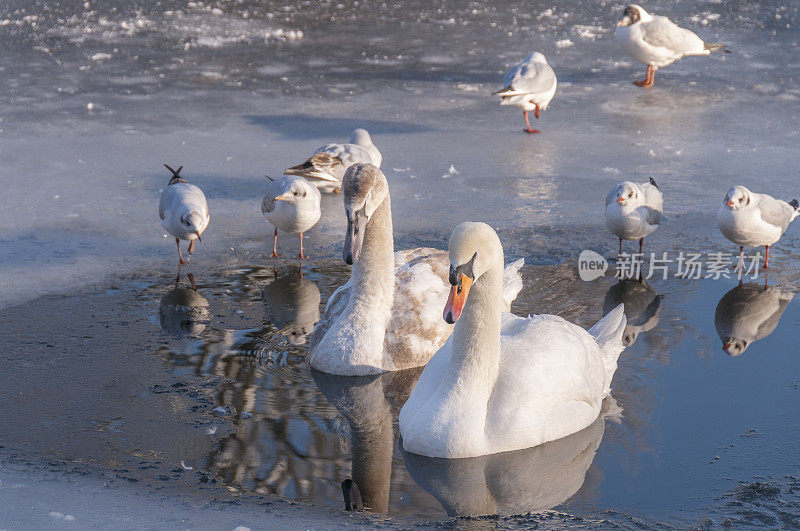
(387, 317)
(503, 382)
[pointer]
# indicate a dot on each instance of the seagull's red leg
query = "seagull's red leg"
(180, 256)
(275, 245)
(301, 255)
(648, 80)
(766, 262)
(191, 246)
(191, 281)
(527, 123)
(652, 80)
(536, 112)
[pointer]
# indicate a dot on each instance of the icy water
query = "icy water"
(106, 365)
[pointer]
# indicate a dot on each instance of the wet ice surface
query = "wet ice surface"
(234, 90)
(195, 391)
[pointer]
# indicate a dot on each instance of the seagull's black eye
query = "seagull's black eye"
(630, 194)
(186, 222)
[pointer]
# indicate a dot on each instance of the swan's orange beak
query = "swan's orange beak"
(457, 300)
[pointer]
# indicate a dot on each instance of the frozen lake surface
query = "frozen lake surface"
(100, 94)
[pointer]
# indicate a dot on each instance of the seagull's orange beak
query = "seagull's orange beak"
(283, 197)
(620, 199)
(457, 300)
(729, 203)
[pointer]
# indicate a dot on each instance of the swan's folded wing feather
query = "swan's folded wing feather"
(562, 363)
(336, 304)
(417, 328)
(512, 282)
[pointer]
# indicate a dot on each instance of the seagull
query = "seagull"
(657, 41)
(327, 165)
(748, 313)
(183, 211)
(291, 204)
(633, 210)
(530, 86)
(752, 220)
(642, 306)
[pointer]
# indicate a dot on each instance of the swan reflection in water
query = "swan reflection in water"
(183, 312)
(534, 479)
(642, 306)
(370, 404)
(292, 306)
(748, 313)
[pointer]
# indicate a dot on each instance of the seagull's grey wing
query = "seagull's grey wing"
(611, 196)
(167, 197)
(534, 78)
(774, 211)
(355, 154)
(655, 203)
(661, 32)
(771, 323)
(272, 191)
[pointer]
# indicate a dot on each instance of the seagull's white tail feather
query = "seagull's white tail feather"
(608, 334)
(512, 282)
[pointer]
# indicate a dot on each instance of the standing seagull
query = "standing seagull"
(633, 210)
(291, 204)
(327, 165)
(657, 41)
(530, 86)
(752, 220)
(183, 211)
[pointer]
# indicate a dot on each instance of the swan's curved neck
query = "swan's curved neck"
(373, 274)
(476, 336)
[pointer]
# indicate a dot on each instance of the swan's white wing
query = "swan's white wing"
(512, 282)
(561, 364)
(333, 310)
(417, 329)
(661, 32)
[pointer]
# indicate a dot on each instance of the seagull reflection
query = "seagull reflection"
(292, 306)
(370, 404)
(748, 313)
(534, 479)
(184, 312)
(642, 306)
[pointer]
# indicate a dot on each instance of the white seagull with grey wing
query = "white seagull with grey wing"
(752, 220)
(634, 210)
(657, 41)
(183, 211)
(530, 86)
(291, 204)
(326, 167)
